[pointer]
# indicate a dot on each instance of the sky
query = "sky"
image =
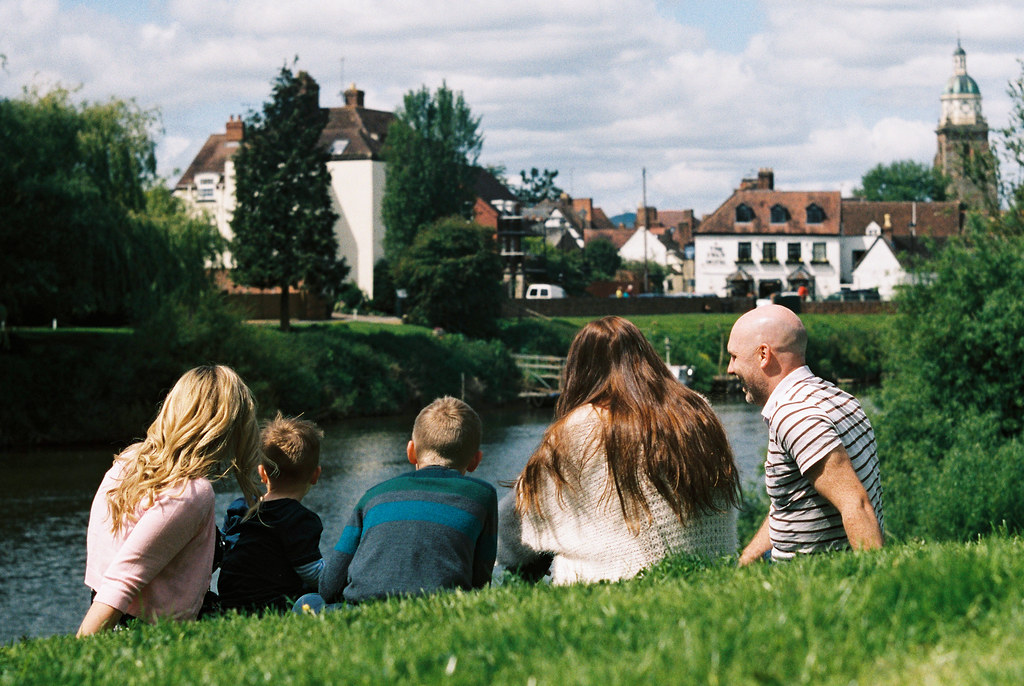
(698, 94)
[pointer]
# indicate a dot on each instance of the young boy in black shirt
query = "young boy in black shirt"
(273, 553)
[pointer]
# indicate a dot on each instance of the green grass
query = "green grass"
(910, 614)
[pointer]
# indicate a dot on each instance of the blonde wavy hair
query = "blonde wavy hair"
(206, 428)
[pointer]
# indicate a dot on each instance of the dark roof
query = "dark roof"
(363, 132)
(489, 188)
(760, 201)
(618, 237)
(600, 220)
(935, 219)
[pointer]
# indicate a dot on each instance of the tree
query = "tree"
(602, 259)
(951, 421)
(284, 219)
(431, 150)
(84, 234)
(903, 180)
(452, 274)
(537, 186)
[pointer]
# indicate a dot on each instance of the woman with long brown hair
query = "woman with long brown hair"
(152, 532)
(636, 466)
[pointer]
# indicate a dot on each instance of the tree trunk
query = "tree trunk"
(285, 315)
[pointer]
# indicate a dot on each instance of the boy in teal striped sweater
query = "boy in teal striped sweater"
(433, 528)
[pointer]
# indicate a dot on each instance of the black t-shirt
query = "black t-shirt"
(258, 570)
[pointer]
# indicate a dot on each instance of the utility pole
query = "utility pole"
(646, 285)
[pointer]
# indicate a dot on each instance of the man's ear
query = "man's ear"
(475, 462)
(316, 475)
(410, 452)
(263, 473)
(764, 355)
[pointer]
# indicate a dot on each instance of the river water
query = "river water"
(44, 515)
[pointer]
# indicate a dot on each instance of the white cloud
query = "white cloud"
(598, 90)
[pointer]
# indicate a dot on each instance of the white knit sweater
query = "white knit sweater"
(585, 528)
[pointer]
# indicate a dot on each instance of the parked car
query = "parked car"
(544, 291)
(855, 295)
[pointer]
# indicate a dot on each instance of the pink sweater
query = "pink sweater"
(161, 564)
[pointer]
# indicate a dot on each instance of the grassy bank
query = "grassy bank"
(909, 614)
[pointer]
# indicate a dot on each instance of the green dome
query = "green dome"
(961, 85)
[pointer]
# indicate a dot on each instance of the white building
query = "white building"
(355, 137)
(762, 241)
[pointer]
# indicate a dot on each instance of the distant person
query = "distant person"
(152, 529)
(802, 292)
(428, 530)
(821, 471)
(273, 555)
(636, 467)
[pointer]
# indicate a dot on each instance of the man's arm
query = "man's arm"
(834, 478)
(760, 544)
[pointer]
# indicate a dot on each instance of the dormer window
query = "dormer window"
(744, 213)
(206, 187)
(339, 146)
(780, 215)
(815, 215)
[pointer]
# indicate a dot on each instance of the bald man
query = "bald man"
(822, 466)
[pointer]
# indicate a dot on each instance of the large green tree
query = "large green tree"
(951, 428)
(431, 151)
(903, 180)
(452, 275)
(85, 234)
(284, 219)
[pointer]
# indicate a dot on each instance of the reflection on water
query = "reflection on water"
(43, 519)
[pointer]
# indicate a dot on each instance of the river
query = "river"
(44, 516)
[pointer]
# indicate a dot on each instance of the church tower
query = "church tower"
(962, 134)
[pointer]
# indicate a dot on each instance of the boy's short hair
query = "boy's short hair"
(291, 448)
(450, 429)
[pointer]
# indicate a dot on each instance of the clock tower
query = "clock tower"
(963, 151)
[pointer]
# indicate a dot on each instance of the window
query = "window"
(744, 213)
(792, 252)
(206, 186)
(815, 215)
(858, 255)
(818, 254)
(768, 253)
(743, 252)
(780, 215)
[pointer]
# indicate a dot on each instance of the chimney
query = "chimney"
(765, 179)
(354, 97)
(234, 128)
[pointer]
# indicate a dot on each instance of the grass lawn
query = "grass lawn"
(910, 614)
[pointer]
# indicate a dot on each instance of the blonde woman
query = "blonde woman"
(152, 531)
(635, 467)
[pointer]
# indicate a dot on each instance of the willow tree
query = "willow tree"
(284, 220)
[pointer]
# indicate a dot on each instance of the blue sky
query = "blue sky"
(700, 94)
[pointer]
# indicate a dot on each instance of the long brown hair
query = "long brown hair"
(206, 428)
(654, 429)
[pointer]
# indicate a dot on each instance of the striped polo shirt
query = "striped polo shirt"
(807, 419)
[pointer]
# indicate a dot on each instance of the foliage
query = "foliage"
(910, 613)
(452, 275)
(106, 385)
(284, 219)
(431, 149)
(903, 180)
(953, 420)
(602, 259)
(74, 178)
(537, 186)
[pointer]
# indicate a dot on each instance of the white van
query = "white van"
(544, 291)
